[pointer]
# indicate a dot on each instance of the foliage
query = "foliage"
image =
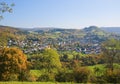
(35, 61)
(89, 60)
(98, 69)
(9, 33)
(64, 75)
(48, 64)
(4, 7)
(45, 77)
(36, 73)
(50, 60)
(13, 64)
(112, 76)
(81, 74)
(111, 52)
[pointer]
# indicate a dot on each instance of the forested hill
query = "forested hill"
(7, 33)
(11, 32)
(87, 30)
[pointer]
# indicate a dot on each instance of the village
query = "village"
(86, 45)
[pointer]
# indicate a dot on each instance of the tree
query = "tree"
(49, 63)
(81, 74)
(4, 7)
(64, 75)
(111, 52)
(112, 76)
(50, 60)
(13, 64)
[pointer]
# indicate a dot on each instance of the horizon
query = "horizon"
(75, 14)
(107, 27)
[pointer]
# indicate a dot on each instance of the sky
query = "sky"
(63, 13)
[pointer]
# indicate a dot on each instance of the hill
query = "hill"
(7, 33)
(112, 29)
(85, 40)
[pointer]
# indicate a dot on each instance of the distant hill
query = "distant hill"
(91, 29)
(31, 40)
(94, 30)
(111, 29)
(86, 30)
(92, 33)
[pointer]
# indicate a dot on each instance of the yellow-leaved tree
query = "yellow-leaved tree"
(13, 64)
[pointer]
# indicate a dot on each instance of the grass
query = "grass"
(101, 66)
(35, 83)
(25, 83)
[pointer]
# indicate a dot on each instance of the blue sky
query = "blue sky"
(63, 13)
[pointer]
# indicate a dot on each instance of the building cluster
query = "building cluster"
(86, 45)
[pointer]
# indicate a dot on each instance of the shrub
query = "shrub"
(64, 76)
(46, 77)
(81, 75)
(112, 76)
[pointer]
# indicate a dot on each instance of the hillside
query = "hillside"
(87, 40)
(112, 29)
(7, 33)
(94, 30)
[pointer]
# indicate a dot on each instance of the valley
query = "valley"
(87, 40)
(58, 55)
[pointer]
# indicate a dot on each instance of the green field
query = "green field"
(34, 83)
(101, 66)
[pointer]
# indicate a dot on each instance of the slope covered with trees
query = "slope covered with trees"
(7, 33)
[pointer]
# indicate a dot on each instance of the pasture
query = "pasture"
(34, 83)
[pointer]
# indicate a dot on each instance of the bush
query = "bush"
(64, 76)
(32, 78)
(81, 75)
(46, 77)
(13, 77)
(112, 76)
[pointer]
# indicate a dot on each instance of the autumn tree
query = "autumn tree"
(111, 52)
(13, 64)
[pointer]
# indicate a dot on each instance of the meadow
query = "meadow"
(34, 83)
